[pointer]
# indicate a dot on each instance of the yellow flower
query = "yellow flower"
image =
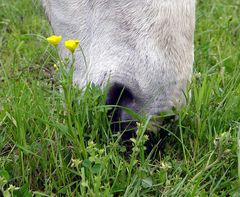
(71, 45)
(54, 40)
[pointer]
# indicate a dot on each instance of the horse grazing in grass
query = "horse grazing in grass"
(143, 48)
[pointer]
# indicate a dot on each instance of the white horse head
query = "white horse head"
(143, 46)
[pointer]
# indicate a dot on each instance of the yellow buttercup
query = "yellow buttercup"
(71, 45)
(54, 40)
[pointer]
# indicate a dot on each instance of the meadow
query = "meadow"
(51, 147)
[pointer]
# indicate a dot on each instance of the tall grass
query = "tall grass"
(53, 146)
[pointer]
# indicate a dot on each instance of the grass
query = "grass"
(51, 148)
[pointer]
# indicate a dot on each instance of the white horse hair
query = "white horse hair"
(145, 46)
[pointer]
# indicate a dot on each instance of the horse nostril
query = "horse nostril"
(120, 96)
